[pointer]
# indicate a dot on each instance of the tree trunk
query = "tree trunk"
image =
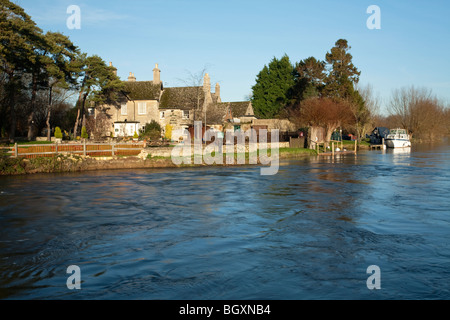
(31, 125)
(12, 108)
(83, 112)
(328, 133)
(49, 137)
(75, 128)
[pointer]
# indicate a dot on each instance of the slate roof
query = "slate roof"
(184, 98)
(216, 112)
(142, 90)
(238, 109)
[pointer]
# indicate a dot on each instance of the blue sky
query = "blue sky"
(234, 39)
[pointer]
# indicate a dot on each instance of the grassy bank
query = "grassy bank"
(76, 163)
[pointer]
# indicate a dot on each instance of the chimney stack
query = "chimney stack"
(206, 83)
(207, 90)
(217, 92)
(156, 75)
(114, 69)
(131, 77)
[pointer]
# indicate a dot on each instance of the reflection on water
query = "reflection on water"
(309, 232)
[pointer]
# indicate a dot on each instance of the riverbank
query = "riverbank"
(76, 163)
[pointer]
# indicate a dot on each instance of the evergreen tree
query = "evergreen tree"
(343, 75)
(84, 134)
(98, 82)
(310, 78)
(18, 37)
(272, 89)
(61, 70)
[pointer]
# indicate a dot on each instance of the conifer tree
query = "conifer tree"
(272, 88)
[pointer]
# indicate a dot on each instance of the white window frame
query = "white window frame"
(142, 108)
(123, 109)
(185, 116)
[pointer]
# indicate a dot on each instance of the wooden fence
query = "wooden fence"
(85, 149)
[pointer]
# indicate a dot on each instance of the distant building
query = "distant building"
(144, 101)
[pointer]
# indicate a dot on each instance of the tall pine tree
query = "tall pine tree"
(273, 85)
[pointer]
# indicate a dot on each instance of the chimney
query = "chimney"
(207, 90)
(131, 77)
(114, 69)
(206, 84)
(156, 75)
(217, 92)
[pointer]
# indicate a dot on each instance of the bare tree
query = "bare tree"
(196, 96)
(324, 112)
(365, 117)
(418, 111)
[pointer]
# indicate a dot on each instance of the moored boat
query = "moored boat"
(398, 138)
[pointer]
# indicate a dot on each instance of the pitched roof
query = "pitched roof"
(184, 98)
(216, 112)
(238, 109)
(142, 90)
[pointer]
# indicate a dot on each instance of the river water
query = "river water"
(309, 232)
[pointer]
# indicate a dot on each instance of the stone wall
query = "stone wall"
(167, 152)
(280, 124)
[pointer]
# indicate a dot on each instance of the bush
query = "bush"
(151, 131)
(168, 132)
(135, 136)
(58, 133)
(84, 134)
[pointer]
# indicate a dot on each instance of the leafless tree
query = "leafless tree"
(196, 95)
(324, 112)
(418, 111)
(367, 116)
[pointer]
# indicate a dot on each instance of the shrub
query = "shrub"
(58, 133)
(84, 133)
(151, 130)
(135, 136)
(168, 132)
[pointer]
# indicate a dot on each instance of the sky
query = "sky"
(234, 39)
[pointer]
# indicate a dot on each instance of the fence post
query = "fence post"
(16, 150)
(332, 148)
(56, 147)
(84, 148)
(355, 145)
(112, 149)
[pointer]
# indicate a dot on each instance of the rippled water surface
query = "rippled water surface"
(309, 232)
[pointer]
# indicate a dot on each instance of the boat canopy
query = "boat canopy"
(397, 131)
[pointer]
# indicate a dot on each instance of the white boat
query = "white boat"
(398, 138)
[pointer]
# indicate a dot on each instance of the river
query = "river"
(309, 232)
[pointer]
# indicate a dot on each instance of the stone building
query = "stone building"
(144, 101)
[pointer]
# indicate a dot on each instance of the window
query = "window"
(123, 109)
(142, 108)
(161, 115)
(185, 114)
